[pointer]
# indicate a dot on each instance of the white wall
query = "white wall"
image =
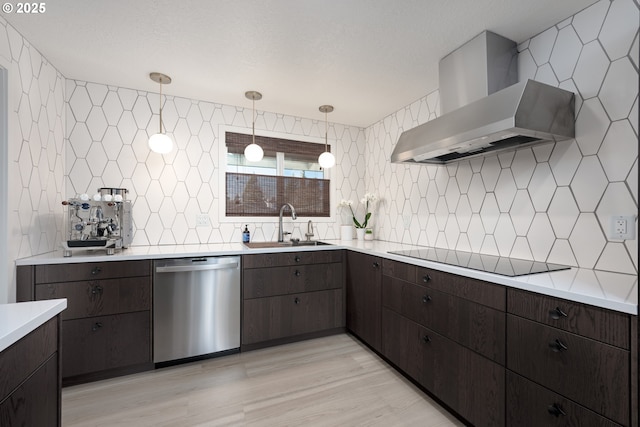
(108, 129)
(35, 152)
(548, 203)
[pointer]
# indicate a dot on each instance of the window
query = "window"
(288, 173)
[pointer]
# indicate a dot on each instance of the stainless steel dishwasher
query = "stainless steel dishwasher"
(196, 307)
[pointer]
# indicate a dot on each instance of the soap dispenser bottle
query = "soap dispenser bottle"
(246, 236)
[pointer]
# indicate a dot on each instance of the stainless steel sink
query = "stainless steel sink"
(258, 245)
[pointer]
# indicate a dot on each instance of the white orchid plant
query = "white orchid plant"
(368, 201)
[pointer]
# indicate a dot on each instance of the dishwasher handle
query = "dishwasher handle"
(195, 267)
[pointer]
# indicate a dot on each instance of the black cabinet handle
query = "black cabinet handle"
(96, 290)
(426, 339)
(557, 313)
(297, 259)
(555, 410)
(557, 346)
(376, 264)
(426, 299)
(96, 326)
(296, 300)
(426, 278)
(297, 273)
(95, 271)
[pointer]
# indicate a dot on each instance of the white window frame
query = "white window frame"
(222, 188)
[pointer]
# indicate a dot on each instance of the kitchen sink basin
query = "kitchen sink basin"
(259, 245)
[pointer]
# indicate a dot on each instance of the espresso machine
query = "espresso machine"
(103, 221)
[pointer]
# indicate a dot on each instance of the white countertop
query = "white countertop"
(615, 291)
(19, 319)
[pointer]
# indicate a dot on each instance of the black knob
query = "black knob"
(557, 313)
(426, 278)
(555, 410)
(296, 300)
(557, 346)
(426, 339)
(297, 259)
(96, 290)
(297, 273)
(95, 271)
(376, 264)
(96, 326)
(426, 299)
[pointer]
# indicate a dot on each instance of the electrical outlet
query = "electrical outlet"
(202, 220)
(622, 227)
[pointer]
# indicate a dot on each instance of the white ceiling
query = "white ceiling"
(368, 58)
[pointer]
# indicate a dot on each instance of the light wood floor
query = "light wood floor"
(332, 381)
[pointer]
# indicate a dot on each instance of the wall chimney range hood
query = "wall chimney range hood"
(484, 110)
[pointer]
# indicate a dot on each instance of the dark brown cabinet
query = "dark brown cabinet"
(30, 379)
(106, 329)
(291, 296)
(451, 345)
(364, 293)
(574, 357)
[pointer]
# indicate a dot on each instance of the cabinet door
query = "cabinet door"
(364, 297)
(316, 311)
(34, 402)
(99, 343)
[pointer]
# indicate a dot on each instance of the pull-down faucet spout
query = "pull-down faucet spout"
(293, 216)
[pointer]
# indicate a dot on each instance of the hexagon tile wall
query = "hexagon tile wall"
(550, 202)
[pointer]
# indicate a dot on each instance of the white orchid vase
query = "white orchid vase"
(368, 201)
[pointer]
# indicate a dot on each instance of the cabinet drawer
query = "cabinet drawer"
(99, 297)
(588, 372)
(470, 384)
(54, 273)
(23, 357)
(476, 326)
(530, 405)
(106, 342)
(291, 258)
(485, 293)
(263, 282)
(399, 270)
(283, 316)
(593, 322)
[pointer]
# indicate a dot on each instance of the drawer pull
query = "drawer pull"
(426, 339)
(557, 346)
(297, 259)
(557, 313)
(426, 299)
(297, 273)
(296, 300)
(95, 271)
(376, 264)
(556, 410)
(426, 278)
(96, 290)
(96, 326)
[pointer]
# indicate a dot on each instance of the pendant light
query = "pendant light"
(160, 142)
(253, 152)
(326, 159)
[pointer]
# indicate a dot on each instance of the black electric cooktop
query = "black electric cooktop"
(511, 267)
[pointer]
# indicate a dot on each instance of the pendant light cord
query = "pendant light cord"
(326, 131)
(253, 120)
(160, 105)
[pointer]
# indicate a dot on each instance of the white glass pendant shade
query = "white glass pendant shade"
(326, 160)
(160, 143)
(253, 152)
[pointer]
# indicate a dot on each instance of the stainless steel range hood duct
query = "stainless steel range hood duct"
(495, 118)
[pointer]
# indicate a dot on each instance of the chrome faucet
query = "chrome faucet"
(293, 216)
(309, 233)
